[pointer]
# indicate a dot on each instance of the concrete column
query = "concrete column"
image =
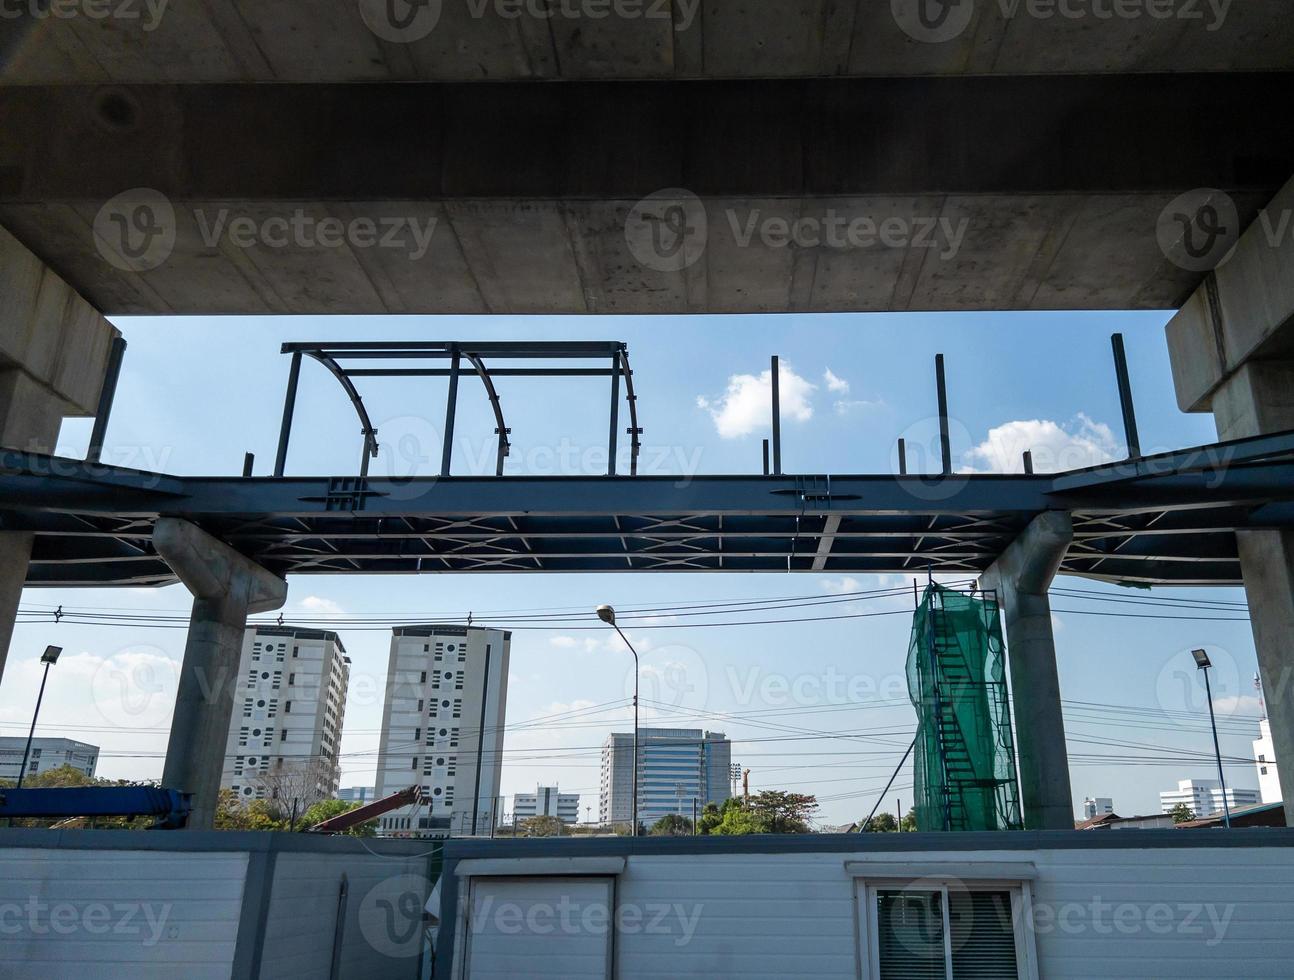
(1232, 349)
(1021, 576)
(1256, 400)
(53, 353)
(226, 587)
(30, 416)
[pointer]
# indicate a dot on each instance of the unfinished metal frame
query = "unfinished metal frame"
(336, 357)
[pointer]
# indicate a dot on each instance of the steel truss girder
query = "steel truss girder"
(1162, 519)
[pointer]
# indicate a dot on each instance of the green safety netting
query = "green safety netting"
(964, 758)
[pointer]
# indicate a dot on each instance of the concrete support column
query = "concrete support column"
(226, 587)
(1021, 577)
(53, 354)
(1259, 399)
(30, 417)
(1232, 349)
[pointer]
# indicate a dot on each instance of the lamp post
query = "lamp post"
(608, 616)
(49, 658)
(1203, 663)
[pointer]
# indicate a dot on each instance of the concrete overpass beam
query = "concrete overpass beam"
(53, 354)
(1021, 576)
(226, 587)
(1232, 348)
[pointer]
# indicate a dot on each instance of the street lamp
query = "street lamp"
(608, 616)
(1203, 663)
(49, 658)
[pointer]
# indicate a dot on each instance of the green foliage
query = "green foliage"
(909, 825)
(327, 809)
(883, 823)
(671, 825)
(710, 818)
(233, 814)
(1181, 813)
(543, 826)
(769, 812)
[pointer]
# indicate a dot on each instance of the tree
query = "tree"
(233, 814)
(909, 823)
(327, 809)
(737, 820)
(783, 813)
(541, 826)
(293, 789)
(1181, 813)
(711, 817)
(883, 823)
(671, 825)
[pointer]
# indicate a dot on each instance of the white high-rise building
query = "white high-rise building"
(1204, 797)
(1269, 783)
(289, 706)
(442, 728)
(546, 801)
(46, 754)
(676, 766)
(1097, 806)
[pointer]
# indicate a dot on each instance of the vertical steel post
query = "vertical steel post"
(903, 457)
(26, 753)
(289, 406)
(777, 418)
(615, 416)
(945, 444)
(249, 461)
(766, 457)
(1125, 397)
(451, 410)
(1217, 751)
(106, 395)
(1028, 462)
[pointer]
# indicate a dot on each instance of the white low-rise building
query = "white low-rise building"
(546, 801)
(1204, 796)
(46, 754)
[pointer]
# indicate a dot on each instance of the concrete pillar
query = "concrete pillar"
(53, 354)
(1021, 576)
(1232, 350)
(226, 587)
(1256, 400)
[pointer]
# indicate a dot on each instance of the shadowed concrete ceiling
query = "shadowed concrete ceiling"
(966, 193)
(471, 40)
(1009, 157)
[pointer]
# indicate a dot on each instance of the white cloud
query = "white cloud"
(838, 385)
(1055, 447)
(563, 642)
(746, 406)
(318, 604)
(839, 586)
(844, 406)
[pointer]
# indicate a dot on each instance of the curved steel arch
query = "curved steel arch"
(505, 444)
(356, 399)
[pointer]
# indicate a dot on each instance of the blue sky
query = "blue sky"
(196, 393)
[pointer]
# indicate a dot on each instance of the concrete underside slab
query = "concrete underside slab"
(464, 40)
(1005, 193)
